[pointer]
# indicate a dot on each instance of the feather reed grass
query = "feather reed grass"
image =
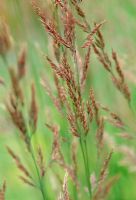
(81, 112)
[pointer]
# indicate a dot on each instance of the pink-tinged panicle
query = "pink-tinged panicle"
(2, 82)
(16, 85)
(19, 164)
(18, 119)
(56, 155)
(81, 13)
(95, 29)
(69, 27)
(104, 169)
(60, 3)
(129, 159)
(5, 38)
(117, 119)
(56, 48)
(100, 40)
(88, 43)
(62, 94)
(94, 106)
(118, 67)
(64, 195)
(79, 63)
(78, 9)
(41, 162)
(119, 82)
(64, 72)
(49, 25)
(68, 74)
(86, 66)
(72, 121)
(83, 117)
(70, 171)
(21, 64)
(60, 90)
(89, 39)
(27, 181)
(96, 51)
(89, 111)
(102, 182)
(126, 136)
(47, 87)
(122, 87)
(33, 114)
(100, 135)
(65, 187)
(99, 49)
(93, 181)
(103, 192)
(83, 26)
(109, 184)
(103, 58)
(2, 191)
(52, 64)
(113, 118)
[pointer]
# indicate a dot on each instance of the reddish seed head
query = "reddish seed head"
(22, 62)
(33, 115)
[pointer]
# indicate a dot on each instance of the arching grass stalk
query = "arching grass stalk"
(83, 144)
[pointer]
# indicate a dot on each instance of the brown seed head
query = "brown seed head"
(41, 163)
(118, 67)
(33, 114)
(100, 134)
(65, 188)
(94, 106)
(18, 119)
(22, 62)
(5, 38)
(16, 85)
(19, 164)
(2, 191)
(89, 39)
(86, 66)
(27, 181)
(49, 25)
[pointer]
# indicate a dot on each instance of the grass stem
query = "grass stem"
(38, 174)
(86, 166)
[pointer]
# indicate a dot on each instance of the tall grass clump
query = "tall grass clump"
(77, 163)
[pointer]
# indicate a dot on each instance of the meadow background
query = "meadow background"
(120, 34)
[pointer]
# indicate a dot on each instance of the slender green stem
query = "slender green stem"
(87, 162)
(38, 174)
(86, 167)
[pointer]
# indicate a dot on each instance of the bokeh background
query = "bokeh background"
(120, 34)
